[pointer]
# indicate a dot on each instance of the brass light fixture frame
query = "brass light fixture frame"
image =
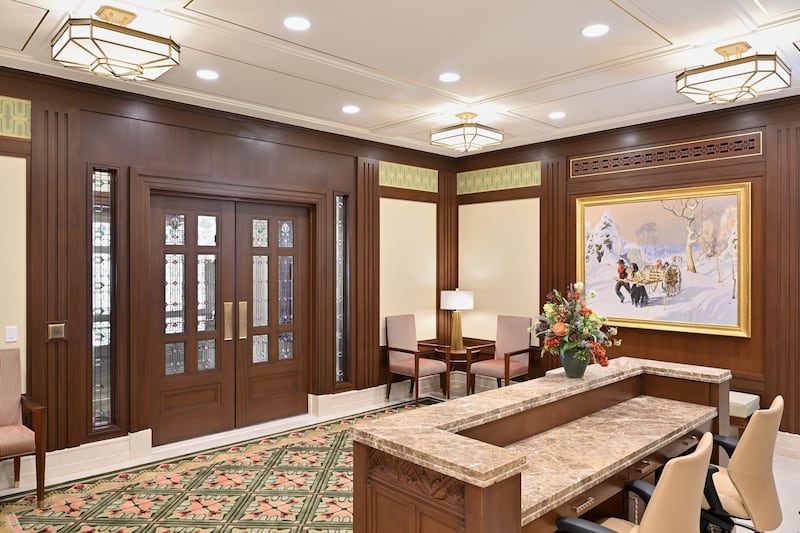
(468, 136)
(734, 80)
(107, 47)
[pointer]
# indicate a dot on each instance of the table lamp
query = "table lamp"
(457, 301)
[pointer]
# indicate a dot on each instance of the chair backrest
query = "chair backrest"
(10, 388)
(512, 335)
(750, 468)
(401, 332)
(676, 501)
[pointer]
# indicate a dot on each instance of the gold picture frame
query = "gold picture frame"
(688, 249)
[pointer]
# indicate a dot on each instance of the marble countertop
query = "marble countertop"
(567, 460)
(427, 436)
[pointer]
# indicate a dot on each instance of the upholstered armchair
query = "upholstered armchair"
(512, 352)
(746, 488)
(16, 439)
(406, 356)
(673, 506)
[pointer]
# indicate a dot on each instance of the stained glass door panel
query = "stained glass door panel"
(272, 354)
(191, 364)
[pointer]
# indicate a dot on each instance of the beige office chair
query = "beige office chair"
(405, 355)
(746, 488)
(512, 352)
(673, 506)
(16, 439)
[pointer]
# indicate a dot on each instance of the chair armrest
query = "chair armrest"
(641, 488)
(518, 352)
(728, 443)
(432, 345)
(479, 347)
(573, 524)
(38, 413)
(710, 490)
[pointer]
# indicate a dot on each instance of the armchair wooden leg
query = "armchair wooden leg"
(16, 471)
(39, 477)
(499, 383)
(388, 384)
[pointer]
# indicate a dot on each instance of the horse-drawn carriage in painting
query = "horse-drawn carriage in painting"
(669, 277)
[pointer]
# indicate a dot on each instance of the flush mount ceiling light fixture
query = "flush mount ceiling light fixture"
(108, 48)
(468, 136)
(733, 80)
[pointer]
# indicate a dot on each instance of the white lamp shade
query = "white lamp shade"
(457, 300)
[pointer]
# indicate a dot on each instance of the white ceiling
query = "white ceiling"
(518, 59)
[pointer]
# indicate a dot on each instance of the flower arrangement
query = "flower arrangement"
(566, 323)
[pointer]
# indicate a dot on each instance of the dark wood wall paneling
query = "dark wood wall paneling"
(767, 362)
(134, 133)
(366, 360)
(781, 298)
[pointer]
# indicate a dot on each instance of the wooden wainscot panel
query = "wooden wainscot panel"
(176, 400)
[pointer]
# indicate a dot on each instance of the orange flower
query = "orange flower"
(559, 328)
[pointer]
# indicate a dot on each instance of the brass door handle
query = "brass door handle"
(243, 320)
(228, 321)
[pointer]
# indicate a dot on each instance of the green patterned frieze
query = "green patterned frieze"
(15, 117)
(407, 177)
(499, 178)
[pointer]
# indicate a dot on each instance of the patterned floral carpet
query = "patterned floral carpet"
(294, 482)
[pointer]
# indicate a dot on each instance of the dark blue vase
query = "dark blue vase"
(574, 366)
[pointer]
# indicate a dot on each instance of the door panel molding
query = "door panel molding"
(320, 320)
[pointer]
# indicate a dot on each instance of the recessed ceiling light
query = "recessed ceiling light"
(297, 23)
(594, 30)
(351, 109)
(206, 74)
(555, 115)
(449, 77)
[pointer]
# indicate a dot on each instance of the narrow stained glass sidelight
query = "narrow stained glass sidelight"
(286, 235)
(286, 345)
(206, 230)
(206, 292)
(260, 233)
(102, 256)
(285, 289)
(174, 230)
(260, 348)
(175, 358)
(260, 290)
(341, 287)
(174, 293)
(206, 354)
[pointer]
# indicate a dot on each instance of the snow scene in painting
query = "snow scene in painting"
(655, 231)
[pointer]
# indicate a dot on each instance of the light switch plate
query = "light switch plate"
(11, 333)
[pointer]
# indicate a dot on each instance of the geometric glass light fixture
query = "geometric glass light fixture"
(108, 48)
(457, 301)
(468, 136)
(734, 80)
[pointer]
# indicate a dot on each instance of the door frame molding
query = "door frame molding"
(145, 182)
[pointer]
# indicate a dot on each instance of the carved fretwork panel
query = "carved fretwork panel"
(686, 153)
(422, 482)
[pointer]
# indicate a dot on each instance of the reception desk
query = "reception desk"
(517, 458)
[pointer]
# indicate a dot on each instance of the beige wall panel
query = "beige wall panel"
(408, 263)
(12, 242)
(498, 259)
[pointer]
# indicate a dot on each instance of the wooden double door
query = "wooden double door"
(229, 326)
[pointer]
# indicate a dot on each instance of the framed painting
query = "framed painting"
(674, 260)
